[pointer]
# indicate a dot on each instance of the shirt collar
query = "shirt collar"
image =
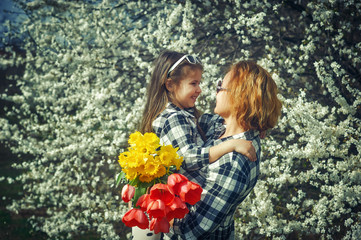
(188, 112)
(248, 135)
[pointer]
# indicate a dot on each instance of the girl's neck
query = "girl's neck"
(232, 128)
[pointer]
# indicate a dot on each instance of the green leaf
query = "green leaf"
(134, 182)
(145, 185)
(119, 177)
(139, 191)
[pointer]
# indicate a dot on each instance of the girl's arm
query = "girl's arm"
(208, 123)
(175, 129)
(242, 146)
(178, 132)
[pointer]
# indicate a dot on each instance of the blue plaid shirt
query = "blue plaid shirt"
(178, 127)
(226, 183)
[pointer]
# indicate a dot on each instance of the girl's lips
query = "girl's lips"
(195, 96)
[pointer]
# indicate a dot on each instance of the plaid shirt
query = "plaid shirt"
(178, 127)
(226, 183)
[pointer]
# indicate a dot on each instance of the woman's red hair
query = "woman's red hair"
(253, 96)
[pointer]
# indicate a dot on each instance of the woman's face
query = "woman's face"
(223, 107)
(185, 94)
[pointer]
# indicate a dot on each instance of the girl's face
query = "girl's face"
(223, 107)
(185, 94)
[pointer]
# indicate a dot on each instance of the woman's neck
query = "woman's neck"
(232, 128)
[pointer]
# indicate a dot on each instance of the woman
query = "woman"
(247, 102)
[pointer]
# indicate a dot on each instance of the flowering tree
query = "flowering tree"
(86, 65)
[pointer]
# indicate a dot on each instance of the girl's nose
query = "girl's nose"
(199, 89)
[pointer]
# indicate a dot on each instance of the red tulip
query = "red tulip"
(190, 192)
(143, 202)
(174, 182)
(156, 209)
(159, 225)
(178, 209)
(161, 191)
(136, 217)
(128, 192)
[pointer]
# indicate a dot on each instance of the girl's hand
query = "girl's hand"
(262, 134)
(246, 148)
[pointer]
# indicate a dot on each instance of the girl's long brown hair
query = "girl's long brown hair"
(253, 96)
(157, 95)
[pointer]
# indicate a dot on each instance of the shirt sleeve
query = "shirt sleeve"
(178, 132)
(205, 121)
(209, 122)
(224, 185)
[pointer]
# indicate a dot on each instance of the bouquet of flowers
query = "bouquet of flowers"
(157, 193)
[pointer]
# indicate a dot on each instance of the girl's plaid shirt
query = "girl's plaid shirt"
(178, 127)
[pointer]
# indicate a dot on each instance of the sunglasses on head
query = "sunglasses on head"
(191, 59)
(219, 86)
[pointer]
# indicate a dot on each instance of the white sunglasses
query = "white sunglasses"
(191, 59)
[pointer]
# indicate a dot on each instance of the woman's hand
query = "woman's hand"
(246, 148)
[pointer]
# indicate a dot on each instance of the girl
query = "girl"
(170, 111)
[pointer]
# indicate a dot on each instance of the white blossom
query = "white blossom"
(86, 68)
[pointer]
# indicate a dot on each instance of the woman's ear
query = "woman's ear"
(169, 85)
